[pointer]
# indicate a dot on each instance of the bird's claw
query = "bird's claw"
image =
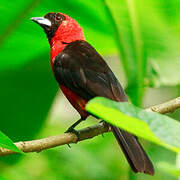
(69, 146)
(72, 130)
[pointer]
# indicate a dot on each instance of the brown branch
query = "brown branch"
(86, 133)
(58, 140)
(166, 107)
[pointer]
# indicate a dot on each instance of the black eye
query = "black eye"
(58, 17)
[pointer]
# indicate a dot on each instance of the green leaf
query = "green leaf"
(169, 168)
(145, 45)
(128, 37)
(151, 126)
(26, 97)
(7, 143)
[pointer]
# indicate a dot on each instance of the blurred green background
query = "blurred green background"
(139, 39)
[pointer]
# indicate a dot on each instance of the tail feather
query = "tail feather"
(135, 154)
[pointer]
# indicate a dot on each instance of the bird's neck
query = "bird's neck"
(57, 44)
(56, 48)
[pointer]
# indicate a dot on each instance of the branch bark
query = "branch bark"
(86, 133)
(169, 106)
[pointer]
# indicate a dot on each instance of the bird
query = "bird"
(83, 74)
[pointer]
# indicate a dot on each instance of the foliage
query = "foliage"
(94, 159)
(144, 33)
(5, 142)
(171, 169)
(152, 126)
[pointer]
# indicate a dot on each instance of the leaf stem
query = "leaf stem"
(134, 73)
(141, 60)
(118, 40)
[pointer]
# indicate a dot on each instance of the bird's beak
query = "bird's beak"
(41, 21)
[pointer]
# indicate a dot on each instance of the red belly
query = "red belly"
(77, 102)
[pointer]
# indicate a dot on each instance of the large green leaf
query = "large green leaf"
(152, 126)
(26, 97)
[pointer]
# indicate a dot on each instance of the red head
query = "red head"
(60, 29)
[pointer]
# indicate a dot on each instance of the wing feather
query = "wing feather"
(81, 69)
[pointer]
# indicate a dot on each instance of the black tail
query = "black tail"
(135, 154)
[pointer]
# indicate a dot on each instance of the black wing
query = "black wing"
(81, 69)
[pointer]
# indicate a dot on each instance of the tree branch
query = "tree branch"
(58, 140)
(166, 107)
(86, 133)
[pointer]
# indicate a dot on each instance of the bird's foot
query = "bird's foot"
(72, 130)
(69, 146)
(105, 124)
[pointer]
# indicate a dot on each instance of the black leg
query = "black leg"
(71, 128)
(104, 123)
